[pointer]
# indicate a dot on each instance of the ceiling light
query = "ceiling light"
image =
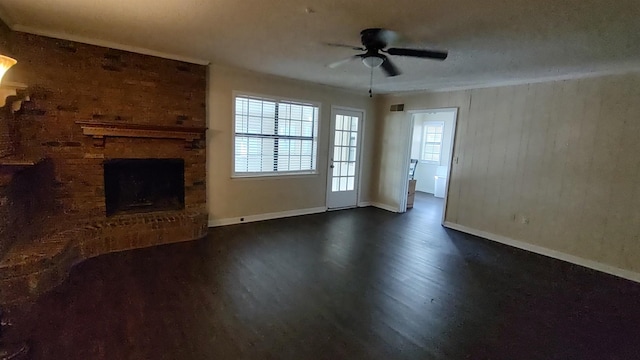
(5, 63)
(372, 61)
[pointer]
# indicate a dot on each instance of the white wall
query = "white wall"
(555, 165)
(426, 171)
(232, 198)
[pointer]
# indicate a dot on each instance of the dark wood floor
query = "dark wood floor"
(351, 284)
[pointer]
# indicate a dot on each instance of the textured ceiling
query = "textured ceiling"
(489, 42)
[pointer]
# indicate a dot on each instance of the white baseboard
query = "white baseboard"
(626, 274)
(266, 216)
(364, 203)
(384, 207)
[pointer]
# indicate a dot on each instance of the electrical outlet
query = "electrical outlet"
(524, 220)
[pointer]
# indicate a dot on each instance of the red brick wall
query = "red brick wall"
(6, 145)
(69, 81)
(26, 204)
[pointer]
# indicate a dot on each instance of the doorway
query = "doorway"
(343, 179)
(429, 158)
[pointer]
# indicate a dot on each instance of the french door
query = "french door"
(344, 158)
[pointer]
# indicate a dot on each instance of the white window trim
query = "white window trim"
(281, 174)
(425, 125)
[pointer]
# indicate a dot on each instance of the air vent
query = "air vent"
(397, 107)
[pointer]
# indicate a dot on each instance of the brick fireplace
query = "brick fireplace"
(92, 120)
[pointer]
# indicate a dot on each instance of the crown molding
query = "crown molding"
(630, 68)
(104, 43)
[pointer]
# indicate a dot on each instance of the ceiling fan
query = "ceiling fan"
(375, 42)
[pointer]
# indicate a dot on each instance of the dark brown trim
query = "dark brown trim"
(100, 130)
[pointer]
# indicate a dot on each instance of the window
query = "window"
(432, 141)
(274, 137)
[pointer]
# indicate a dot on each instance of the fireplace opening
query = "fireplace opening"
(142, 185)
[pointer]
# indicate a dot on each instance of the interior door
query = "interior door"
(344, 155)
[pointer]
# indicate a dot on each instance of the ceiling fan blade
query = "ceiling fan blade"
(359, 48)
(334, 65)
(388, 67)
(427, 54)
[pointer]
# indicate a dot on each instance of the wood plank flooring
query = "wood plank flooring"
(351, 284)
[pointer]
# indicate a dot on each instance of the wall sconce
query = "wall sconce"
(5, 63)
(9, 89)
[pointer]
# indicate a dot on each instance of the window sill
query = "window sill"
(274, 176)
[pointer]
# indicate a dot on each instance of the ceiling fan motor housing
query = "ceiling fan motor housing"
(373, 43)
(371, 39)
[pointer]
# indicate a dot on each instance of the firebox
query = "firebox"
(142, 185)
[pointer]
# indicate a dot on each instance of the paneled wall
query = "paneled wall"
(554, 164)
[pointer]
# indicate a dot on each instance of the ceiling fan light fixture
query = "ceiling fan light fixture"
(372, 61)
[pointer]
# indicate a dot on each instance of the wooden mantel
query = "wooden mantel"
(100, 130)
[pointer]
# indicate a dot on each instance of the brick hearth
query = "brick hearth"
(32, 268)
(52, 206)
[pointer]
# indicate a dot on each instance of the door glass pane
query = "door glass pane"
(343, 183)
(337, 153)
(353, 140)
(352, 169)
(350, 183)
(335, 186)
(347, 123)
(344, 168)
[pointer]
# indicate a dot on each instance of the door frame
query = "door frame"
(407, 157)
(360, 147)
